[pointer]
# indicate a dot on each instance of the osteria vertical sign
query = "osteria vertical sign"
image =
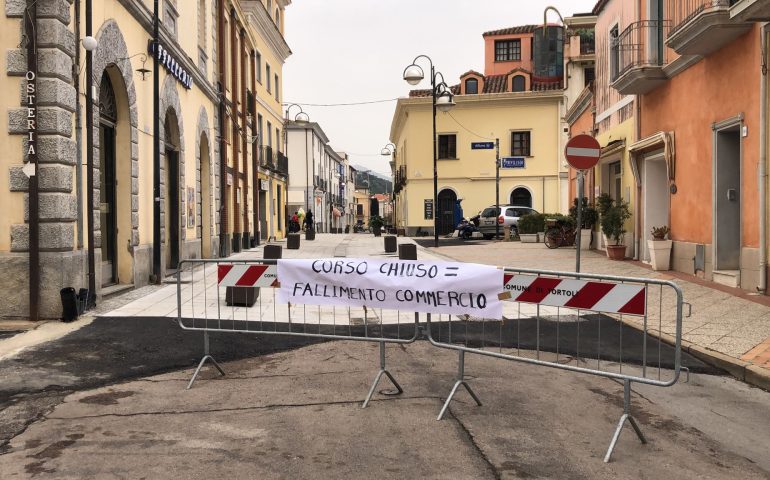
(405, 285)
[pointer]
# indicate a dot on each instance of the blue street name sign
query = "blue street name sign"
(482, 145)
(512, 162)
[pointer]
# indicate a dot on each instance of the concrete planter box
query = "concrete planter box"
(293, 241)
(660, 254)
(585, 239)
(309, 234)
(528, 237)
(391, 244)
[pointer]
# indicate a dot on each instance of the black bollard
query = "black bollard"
(407, 251)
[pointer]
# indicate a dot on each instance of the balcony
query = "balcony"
(701, 27)
(267, 160)
(637, 57)
(750, 11)
(282, 164)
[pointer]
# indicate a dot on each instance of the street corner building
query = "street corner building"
(81, 181)
(518, 100)
(679, 107)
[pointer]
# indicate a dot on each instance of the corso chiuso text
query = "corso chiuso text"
(356, 270)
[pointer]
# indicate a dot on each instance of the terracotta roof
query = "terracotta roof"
(472, 72)
(494, 84)
(426, 92)
(512, 30)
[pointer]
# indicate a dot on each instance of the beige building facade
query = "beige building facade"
(120, 213)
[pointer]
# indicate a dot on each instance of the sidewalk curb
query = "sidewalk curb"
(744, 371)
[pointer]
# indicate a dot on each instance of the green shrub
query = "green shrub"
(531, 223)
(589, 216)
(603, 203)
(614, 220)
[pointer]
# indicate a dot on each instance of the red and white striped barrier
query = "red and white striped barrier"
(605, 297)
(248, 275)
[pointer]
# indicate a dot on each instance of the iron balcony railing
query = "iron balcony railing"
(679, 12)
(267, 160)
(587, 42)
(282, 163)
(639, 45)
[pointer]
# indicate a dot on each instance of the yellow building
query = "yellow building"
(527, 124)
(199, 128)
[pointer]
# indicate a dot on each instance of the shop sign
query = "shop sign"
(31, 103)
(428, 209)
(264, 185)
(512, 162)
(172, 65)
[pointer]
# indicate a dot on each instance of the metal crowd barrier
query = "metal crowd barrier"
(202, 306)
(544, 323)
(545, 330)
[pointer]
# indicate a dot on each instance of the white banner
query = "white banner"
(406, 285)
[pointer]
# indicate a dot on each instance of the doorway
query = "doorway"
(447, 199)
(521, 197)
(727, 198)
(171, 200)
(263, 212)
(108, 117)
(205, 201)
(655, 195)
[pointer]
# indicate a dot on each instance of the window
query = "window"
(269, 134)
(507, 50)
(447, 146)
(276, 86)
(471, 86)
(267, 74)
(520, 145)
(589, 74)
(278, 136)
(170, 16)
(259, 67)
(202, 23)
(278, 18)
(519, 83)
(260, 131)
(614, 53)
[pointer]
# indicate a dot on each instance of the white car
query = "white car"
(491, 217)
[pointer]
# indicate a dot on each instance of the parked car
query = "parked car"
(491, 216)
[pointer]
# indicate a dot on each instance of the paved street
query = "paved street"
(289, 407)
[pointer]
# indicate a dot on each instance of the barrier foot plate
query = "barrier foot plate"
(200, 366)
(397, 391)
(616, 436)
(452, 394)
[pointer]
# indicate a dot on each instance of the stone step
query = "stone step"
(115, 290)
(729, 278)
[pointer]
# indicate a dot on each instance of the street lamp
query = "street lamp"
(301, 119)
(387, 151)
(443, 100)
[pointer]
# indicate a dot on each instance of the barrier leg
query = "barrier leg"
(626, 417)
(206, 356)
(460, 381)
(383, 371)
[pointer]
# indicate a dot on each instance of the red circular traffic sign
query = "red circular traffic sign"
(582, 152)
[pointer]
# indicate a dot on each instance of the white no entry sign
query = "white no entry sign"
(407, 285)
(582, 152)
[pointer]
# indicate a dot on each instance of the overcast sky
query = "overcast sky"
(356, 50)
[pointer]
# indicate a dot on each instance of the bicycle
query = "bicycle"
(559, 234)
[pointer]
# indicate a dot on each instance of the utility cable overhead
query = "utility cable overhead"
(349, 104)
(468, 130)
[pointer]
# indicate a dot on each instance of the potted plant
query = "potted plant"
(603, 203)
(588, 219)
(613, 226)
(375, 224)
(528, 226)
(660, 248)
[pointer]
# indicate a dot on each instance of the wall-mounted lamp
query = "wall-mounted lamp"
(89, 43)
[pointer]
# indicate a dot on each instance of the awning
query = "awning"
(664, 140)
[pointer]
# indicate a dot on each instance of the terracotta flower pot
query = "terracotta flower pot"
(616, 252)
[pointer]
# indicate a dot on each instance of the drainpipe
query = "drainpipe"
(90, 158)
(638, 201)
(762, 287)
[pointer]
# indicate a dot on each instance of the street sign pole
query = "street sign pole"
(579, 219)
(497, 185)
(582, 153)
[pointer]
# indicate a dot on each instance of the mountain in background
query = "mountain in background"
(379, 182)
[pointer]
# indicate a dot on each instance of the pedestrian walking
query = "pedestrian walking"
(309, 220)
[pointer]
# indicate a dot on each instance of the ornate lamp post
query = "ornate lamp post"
(443, 100)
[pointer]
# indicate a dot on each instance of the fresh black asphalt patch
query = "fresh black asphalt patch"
(113, 349)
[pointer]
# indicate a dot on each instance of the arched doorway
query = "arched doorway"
(205, 198)
(171, 190)
(447, 199)
(521, 197)
(114, 164)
